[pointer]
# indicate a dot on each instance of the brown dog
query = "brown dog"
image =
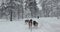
(30, 23)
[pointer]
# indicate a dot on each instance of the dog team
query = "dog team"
(31, 23)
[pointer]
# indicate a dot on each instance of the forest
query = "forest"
(19, 9)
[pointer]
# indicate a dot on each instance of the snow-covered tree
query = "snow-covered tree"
(12, 8)
(49, 6)
(32, 5)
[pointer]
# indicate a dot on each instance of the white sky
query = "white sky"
(0, 2)
(39, 6)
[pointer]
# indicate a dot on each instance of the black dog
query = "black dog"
(35, 23)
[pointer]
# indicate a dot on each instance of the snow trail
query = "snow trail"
(45, 25)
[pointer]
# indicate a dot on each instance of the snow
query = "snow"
(48, 24)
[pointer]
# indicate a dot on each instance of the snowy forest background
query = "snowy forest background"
(17, 9)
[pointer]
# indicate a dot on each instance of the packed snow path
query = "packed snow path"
(45, 25)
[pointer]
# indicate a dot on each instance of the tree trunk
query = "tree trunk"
(11, 15)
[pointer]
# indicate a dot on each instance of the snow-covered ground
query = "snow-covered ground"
(45, 25)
